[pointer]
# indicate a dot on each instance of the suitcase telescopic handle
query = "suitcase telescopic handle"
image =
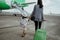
(41, 27)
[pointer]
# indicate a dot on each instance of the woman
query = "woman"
(37, 14)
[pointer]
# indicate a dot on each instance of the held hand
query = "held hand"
(29, 18)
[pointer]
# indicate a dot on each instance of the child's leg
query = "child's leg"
(24, 31)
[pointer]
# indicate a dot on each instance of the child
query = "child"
(23, 23)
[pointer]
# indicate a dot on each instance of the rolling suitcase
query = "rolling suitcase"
(40, 34)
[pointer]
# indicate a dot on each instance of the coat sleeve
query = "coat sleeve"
(33, 12)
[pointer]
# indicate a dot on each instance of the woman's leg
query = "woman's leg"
(36, 25)
(40, 23)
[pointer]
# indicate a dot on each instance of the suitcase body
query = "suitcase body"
(40, 34)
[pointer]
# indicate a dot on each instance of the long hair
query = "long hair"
(40, 3)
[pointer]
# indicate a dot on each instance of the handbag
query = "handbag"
(32, 18)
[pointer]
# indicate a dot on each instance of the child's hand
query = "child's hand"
(29, 18)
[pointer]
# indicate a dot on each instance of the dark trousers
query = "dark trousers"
(37, 25)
